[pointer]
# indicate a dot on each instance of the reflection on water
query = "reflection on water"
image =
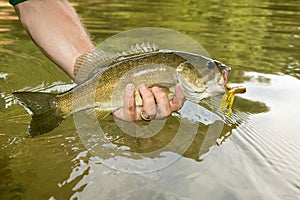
(254, 156)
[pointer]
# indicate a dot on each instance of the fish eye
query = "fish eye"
(210, 65)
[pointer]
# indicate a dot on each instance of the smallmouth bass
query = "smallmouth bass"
(103, 79)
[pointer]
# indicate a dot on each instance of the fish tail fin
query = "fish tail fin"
(44, 111)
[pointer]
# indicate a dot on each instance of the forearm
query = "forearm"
(55, 27)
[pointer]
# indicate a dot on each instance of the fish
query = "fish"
(103, 77)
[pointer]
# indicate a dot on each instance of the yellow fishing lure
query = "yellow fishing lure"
(228, 98)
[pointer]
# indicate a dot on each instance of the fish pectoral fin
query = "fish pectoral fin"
(167, 88)
(97, 114)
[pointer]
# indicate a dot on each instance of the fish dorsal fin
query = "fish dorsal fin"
(86, 64)
(140, 49)
(93, 62)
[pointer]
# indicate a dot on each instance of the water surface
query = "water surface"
(256, 156)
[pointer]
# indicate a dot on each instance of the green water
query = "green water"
(256, 156)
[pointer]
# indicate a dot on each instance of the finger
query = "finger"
(178, 100)
(129, 102)
(162, 101)
(128, 112)
(149, 107)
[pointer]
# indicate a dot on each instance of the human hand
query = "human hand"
(156, 104)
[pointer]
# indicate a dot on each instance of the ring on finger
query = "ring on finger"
(145, 116)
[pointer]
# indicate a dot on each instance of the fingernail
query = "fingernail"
(156, 89)
(129, 87)
(143, 87)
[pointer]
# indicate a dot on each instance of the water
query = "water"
(256, 157)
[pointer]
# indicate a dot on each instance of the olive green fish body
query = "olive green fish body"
(153, 69)
(103, 88)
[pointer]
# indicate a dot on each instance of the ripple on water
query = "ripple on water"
(257, 36)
